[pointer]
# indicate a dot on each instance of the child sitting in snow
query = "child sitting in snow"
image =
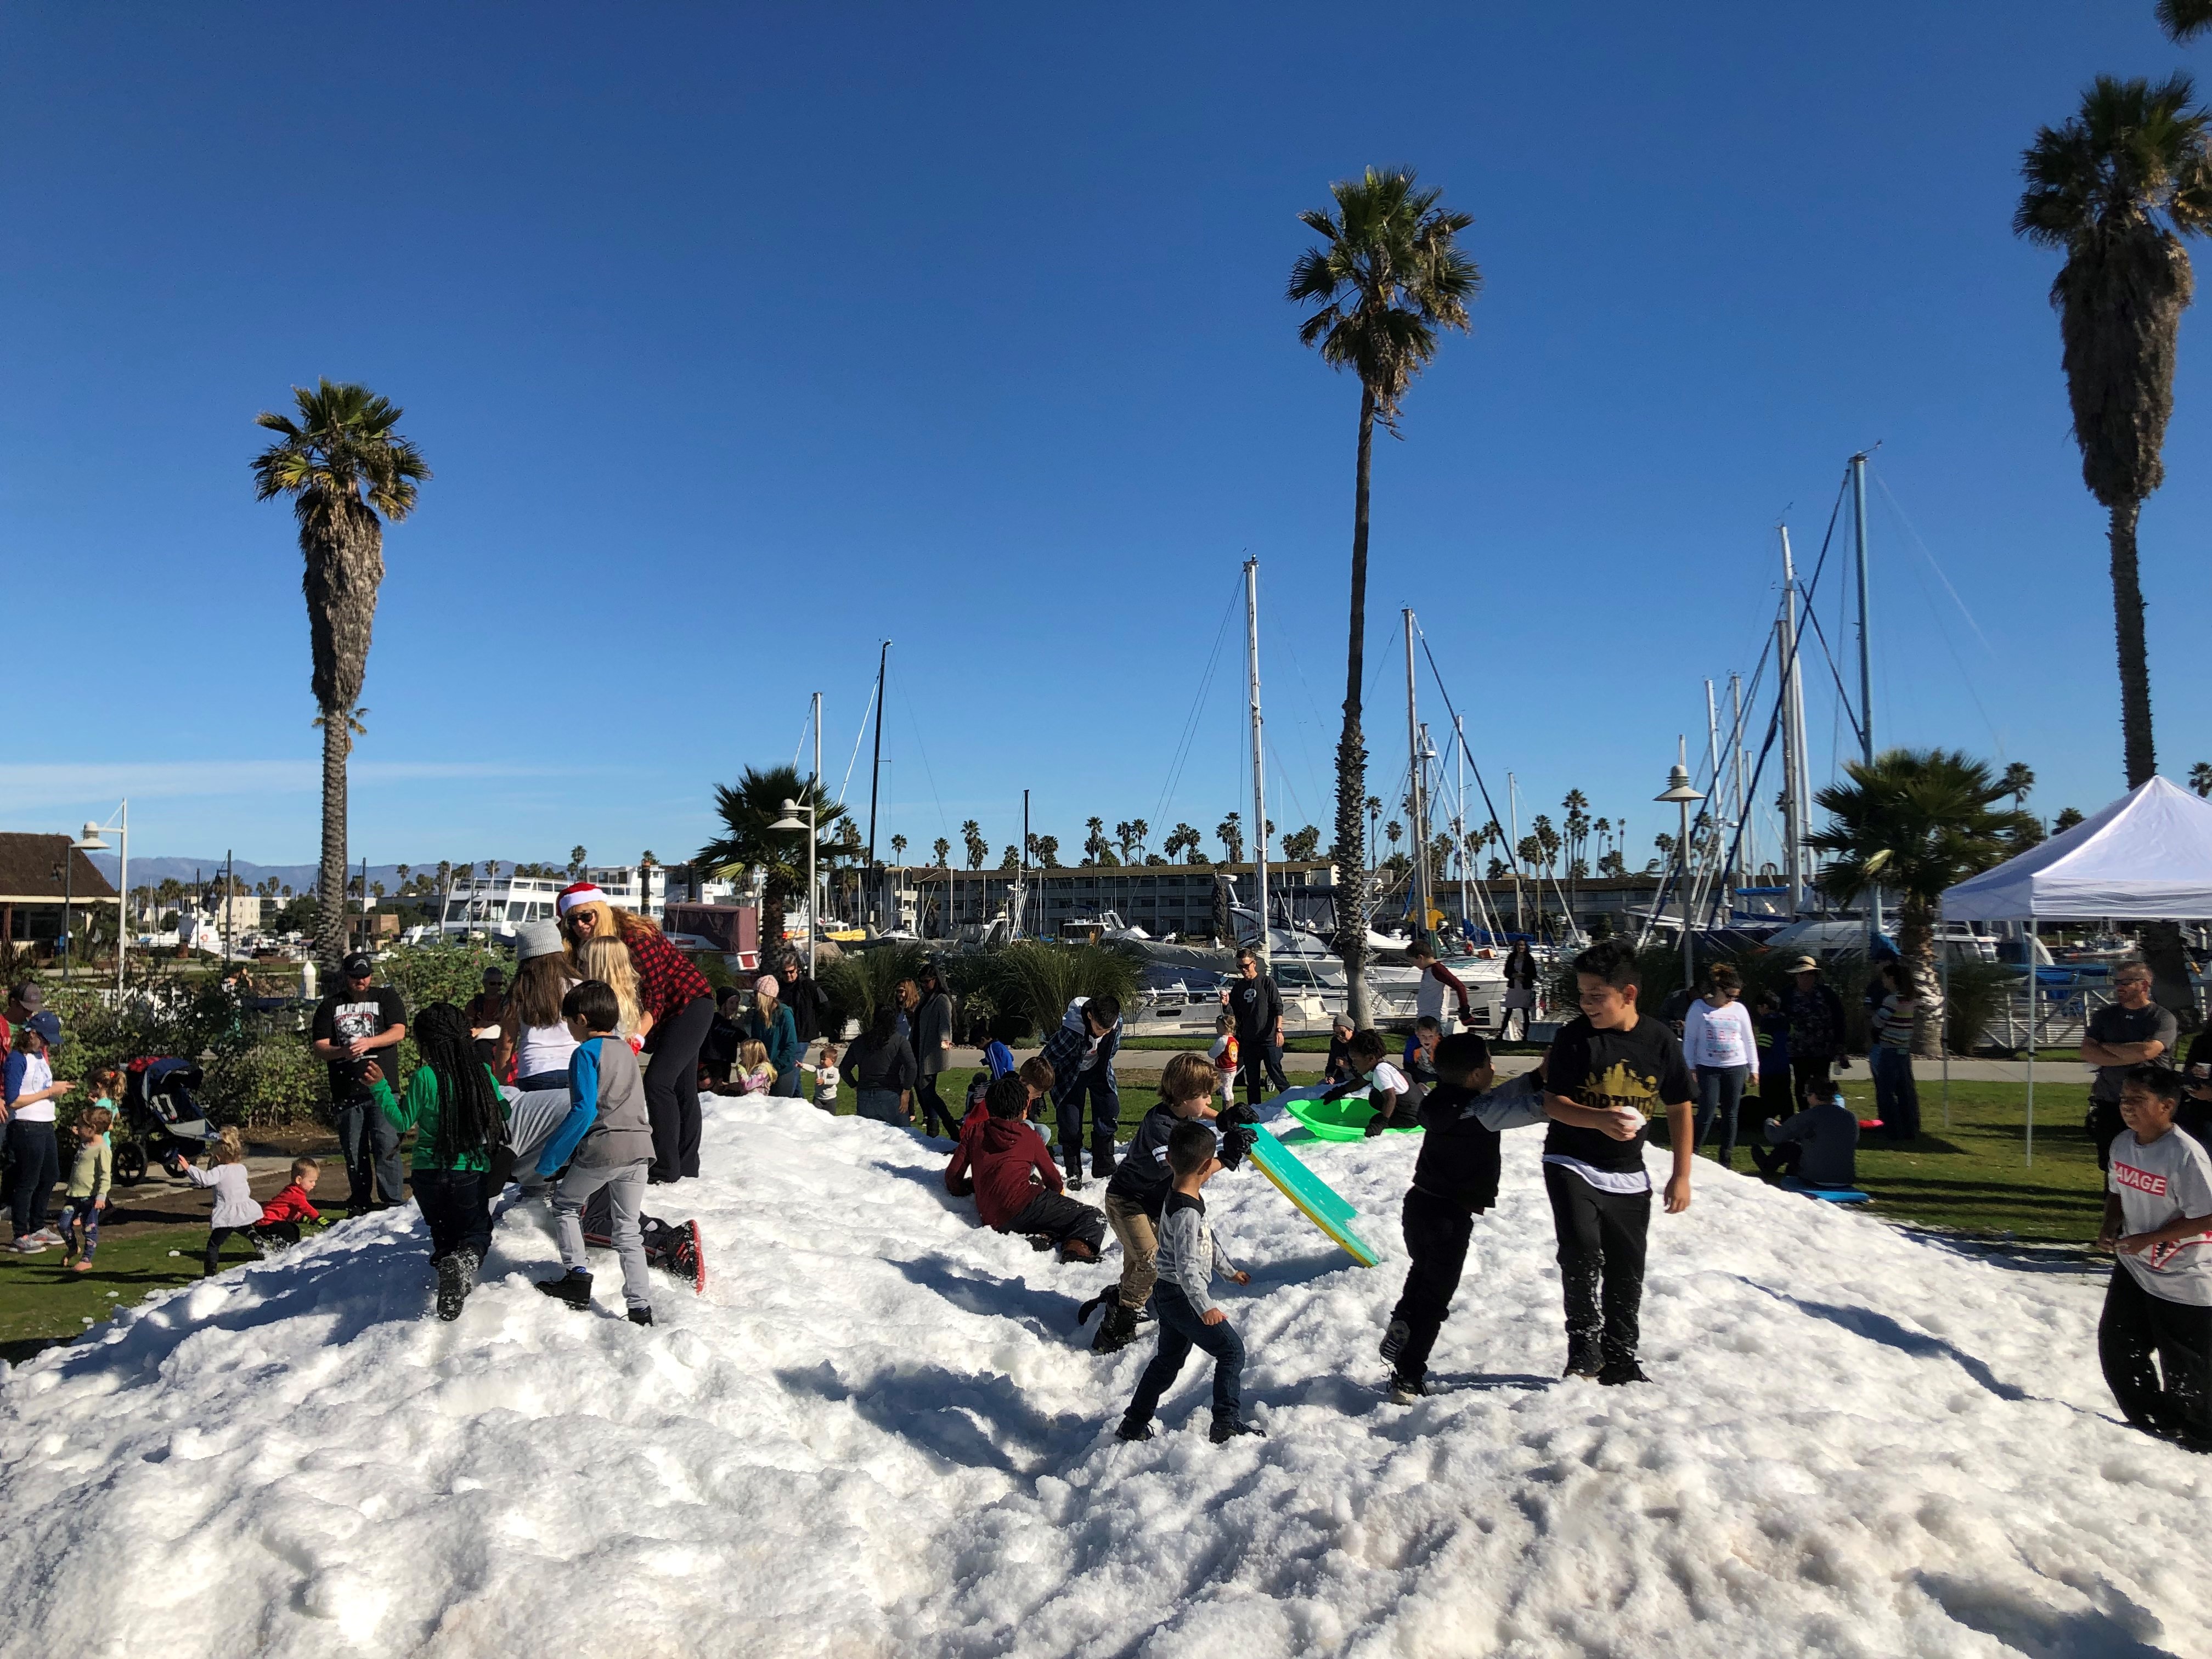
(755, 1075)
(234, 1209)
(1138, 1194)
(1454, 1180)
(1189, 1256)
(1819, 1145)
(1385, 1084)
(282, 1215)
(1017, 1185)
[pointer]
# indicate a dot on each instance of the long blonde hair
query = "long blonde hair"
(608, 960)
(614, 922)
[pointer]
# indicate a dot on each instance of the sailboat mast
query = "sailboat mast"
(875, 775)
(1413, 772)
(1259, 764)
(1459, 823)
(1866, 670)
(1793, 732)
(1745, 847)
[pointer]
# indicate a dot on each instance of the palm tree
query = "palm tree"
(2018, 781)
(1229, 832)
(1389, 274)
(971, 840)
(943, 849)
(1140, 829)
(343, 465)
(1914, 822)
(2115, 188)
(747, 843)
(2185, 20)
(2200, 778)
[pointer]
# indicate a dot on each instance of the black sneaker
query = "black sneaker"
(1226, 1429)
(1405, 1391)
(574, 1289)
(1115, 1330)
(1125, 1430)
(1617, 1371)
(1584, 1357)
(457, 1277)
(641, 1315)
(1393, 1340)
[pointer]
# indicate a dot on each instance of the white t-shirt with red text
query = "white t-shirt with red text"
(2158, 1183)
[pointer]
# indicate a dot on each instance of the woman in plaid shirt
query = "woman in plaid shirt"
(677, 1009)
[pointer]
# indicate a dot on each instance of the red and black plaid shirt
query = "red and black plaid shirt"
(667, 980)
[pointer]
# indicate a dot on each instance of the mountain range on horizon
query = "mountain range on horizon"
(301, 877)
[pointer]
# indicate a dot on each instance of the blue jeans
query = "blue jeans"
(370, 1142)
(1181, 1330)
(1897, 1095)
(882, 1105)
(1097, 1084)
(1720, 1092)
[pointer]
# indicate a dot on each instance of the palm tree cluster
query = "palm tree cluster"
(747, 845)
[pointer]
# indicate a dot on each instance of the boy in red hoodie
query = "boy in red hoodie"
(282, 1215)
(1017, 1185)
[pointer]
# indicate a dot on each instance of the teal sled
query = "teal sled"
(1314, 1198)
(1826, 1194)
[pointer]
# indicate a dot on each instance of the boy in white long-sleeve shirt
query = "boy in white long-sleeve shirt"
(1189, 1255)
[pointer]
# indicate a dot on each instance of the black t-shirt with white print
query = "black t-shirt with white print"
(340, 1016)
(1641, 1066)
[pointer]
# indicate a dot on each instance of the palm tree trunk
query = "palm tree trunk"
(330, 877)
(1916, 949)
(2135, 662)
(2162, 940)
(1349, 851)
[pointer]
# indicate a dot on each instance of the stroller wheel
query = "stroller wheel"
(131, 1163)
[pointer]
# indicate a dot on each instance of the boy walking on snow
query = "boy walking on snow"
(1081, 1055)
(1189, 1317)
(2158, 1218)
(1017, 1186)
(1623, 1067)
(606, 1141)
(1138, 1194)
(1454, 1180)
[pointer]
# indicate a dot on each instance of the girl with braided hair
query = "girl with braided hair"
(460, 1119)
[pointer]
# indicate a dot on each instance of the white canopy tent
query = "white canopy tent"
(2147, 857)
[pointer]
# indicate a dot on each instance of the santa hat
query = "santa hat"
(582, 892)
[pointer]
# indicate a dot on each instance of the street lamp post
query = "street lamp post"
(119, 821)
(90, 843)
(787, 822)
(1679, 792)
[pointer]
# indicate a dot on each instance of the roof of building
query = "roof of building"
(31, 872)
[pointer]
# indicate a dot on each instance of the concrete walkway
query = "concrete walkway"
(1150, 1062)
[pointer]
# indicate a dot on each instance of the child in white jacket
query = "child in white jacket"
(1189, 1257)
(234, 1207)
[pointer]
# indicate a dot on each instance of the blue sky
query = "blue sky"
(740, 341)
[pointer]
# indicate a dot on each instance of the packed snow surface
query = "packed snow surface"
(879, 1432)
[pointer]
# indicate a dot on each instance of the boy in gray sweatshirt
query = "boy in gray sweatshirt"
(1188, 1316)
(606, 1141)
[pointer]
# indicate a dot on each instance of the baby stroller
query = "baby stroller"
(160, 1117)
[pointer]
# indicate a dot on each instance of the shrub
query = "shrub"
(272, 1083)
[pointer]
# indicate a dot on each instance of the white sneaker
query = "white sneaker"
(31, 1246)
(48, 1236)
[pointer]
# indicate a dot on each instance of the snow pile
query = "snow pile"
(879, 1433)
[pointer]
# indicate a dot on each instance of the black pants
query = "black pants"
(1098, 1083)
(453, 1207)
(934, 1109)
(1601, 1237)
(1813, 1068)
(1181, 1330)
(34, 1164)
(671, 1089)
(1781, 1160)
(1059, 1218)
(217, 1237)
(2137, 1324)
(1437, 1234)
(2103, 1125)
(275, 1232)
(1259, 1063)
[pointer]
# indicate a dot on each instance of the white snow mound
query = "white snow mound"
(879, 1433)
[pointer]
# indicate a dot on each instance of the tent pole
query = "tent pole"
(2027, 939)
(1943, 1024)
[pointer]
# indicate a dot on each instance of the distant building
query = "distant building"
(32, 887)
(1160, 898)
(495, 906)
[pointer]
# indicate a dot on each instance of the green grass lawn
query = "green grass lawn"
(42, 1302)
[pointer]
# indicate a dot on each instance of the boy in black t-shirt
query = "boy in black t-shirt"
(1611, 1058)
(1138, 1189)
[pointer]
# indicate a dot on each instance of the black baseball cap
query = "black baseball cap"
(358, 965)
(28, 995)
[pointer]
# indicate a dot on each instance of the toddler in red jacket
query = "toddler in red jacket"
(282, 1215)
(1017, 1185)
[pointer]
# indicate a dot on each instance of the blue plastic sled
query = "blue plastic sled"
(1826, 1194)
(1314, 1198)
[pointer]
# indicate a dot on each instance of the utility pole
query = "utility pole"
(1793, 732)
(1513, 852)
(813, 839)
(1866, 671)
(1258, 766)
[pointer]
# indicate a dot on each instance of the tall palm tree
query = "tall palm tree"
(1388, 275)
(2185, 20)
(972, 842)
(1914, 822)
(342, 462)
(2200, 778)
(2019, 782)
(747, 843)
(2115, 188)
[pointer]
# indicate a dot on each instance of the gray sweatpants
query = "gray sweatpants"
(625, 1188)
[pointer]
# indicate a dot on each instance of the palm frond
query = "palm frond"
(2185, 20)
